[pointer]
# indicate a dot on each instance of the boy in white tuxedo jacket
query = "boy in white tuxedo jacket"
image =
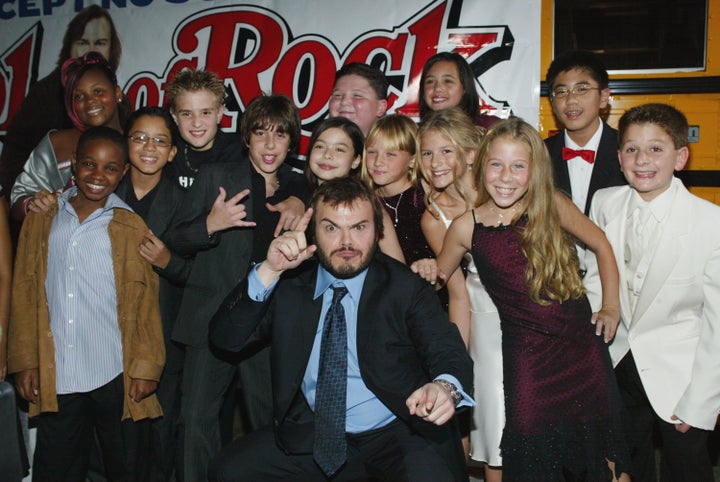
(667, 245)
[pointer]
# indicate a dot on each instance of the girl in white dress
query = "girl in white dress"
(449, 145)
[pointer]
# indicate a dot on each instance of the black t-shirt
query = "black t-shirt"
(226, 148)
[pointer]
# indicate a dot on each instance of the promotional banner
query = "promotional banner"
(292, 47)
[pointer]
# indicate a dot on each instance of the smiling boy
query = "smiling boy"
(578, 87)
(196, 100)
(667, 246)
(359, 94)
(85, 336)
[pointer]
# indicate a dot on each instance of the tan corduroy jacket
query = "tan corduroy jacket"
(30, 339)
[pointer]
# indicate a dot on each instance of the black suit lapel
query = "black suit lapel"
(560, 170)
(606, 164)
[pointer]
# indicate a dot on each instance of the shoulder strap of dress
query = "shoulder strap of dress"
(472, 210)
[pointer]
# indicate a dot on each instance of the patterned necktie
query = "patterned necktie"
(330, 447)
(586, 154)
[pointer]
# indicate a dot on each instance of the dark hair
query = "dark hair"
(71, 73)
(151, 111)
(348, 127)
(470, 100)
(192, 80)
(584, 60)
(346, 191)
(375, 77)
(665, 116)
(76, 28)
(271, 110)
(106, 134)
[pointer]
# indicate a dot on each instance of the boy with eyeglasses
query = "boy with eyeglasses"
(584, 154)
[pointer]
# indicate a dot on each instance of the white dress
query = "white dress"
(485, 348)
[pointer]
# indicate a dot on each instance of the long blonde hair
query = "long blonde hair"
(455, 125)
(553, 269)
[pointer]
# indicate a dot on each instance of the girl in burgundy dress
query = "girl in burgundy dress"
(561, 401)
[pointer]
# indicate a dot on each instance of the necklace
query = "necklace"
(501, 215)
(394, 208)
(187, 161)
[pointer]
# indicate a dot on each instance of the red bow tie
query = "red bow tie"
(586, 154)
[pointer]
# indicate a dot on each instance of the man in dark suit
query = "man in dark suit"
(403, 364)
(585, 153)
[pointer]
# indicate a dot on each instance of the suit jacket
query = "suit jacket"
(163, 210)
(606, 170)
(404, 340)
(674, 333)
(221, 260)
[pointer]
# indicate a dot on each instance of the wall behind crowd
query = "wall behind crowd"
(287, 47)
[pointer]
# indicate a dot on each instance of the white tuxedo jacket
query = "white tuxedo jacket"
(674, 333)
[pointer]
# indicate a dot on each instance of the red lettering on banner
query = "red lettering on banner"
(19, 65)
(311, 91)
(251, 48)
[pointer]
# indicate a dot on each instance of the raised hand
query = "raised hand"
(287, 251)
(291, 211)
(228, 213)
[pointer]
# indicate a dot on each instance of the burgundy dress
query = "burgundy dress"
(561, 400)
(406, 210)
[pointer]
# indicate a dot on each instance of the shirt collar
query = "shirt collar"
(113, 201)
(354, 285)
(658, 207)
(592, 144)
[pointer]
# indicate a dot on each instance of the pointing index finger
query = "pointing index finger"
(304, 221)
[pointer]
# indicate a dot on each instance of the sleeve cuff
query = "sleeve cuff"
(257, 291)
(466, 400)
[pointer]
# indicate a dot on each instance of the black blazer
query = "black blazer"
(163, 210)
(221, 260)
(606, 170)
(404, 341)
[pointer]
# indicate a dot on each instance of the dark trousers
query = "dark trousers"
(392, 453)
(684, 456)
(205, 381)
(166, 443)
(65, 438)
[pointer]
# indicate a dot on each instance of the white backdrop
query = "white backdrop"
(287, 46)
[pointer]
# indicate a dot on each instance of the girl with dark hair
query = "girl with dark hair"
(448, 81)
(42, 110)
(92, 97)
(335, 150)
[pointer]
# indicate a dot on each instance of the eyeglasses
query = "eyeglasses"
(144, 139)
(579, 90)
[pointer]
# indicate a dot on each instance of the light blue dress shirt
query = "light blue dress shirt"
(364, 410)
(82, 301)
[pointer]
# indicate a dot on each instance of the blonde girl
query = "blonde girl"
(390, 166)
(561, 400)
(449, 143)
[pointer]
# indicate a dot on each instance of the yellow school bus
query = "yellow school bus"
(694, 88)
